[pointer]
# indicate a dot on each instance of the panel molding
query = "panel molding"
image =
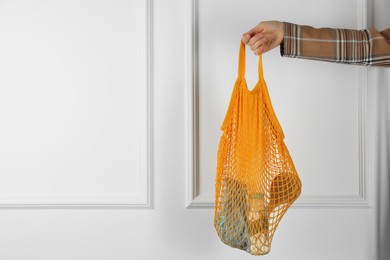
(365, 112)
(144, 198)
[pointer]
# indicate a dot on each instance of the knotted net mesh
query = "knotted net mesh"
(256, 181)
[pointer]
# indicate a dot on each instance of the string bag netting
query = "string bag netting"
(256, 181)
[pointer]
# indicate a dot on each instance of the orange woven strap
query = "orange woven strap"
(267, 99)
(242, 63)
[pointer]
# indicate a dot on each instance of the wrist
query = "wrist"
(281, 33)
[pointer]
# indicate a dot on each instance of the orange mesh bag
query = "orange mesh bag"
(256, 181)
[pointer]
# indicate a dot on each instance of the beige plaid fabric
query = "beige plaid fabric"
(361, 47)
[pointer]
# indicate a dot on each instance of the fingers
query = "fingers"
(262, 49)
(254, 38)
(264, 37)
(257, 42)
(245, 38)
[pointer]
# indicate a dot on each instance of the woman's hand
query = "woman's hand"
(264, 37)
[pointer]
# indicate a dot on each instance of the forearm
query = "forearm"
(361, 47)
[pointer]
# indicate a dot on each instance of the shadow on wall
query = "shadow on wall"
(383, 84)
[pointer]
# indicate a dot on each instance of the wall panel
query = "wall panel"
(75, 103)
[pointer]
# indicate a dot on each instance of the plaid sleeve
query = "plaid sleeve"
(360, 47)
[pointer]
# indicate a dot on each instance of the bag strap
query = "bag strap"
(242, 63)
(263, 86)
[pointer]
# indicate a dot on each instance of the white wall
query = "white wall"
(154, 222)
(383, 84)
(73, 103)
(381, 21)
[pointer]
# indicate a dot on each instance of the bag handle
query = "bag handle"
(267, 99)
(242, 63)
